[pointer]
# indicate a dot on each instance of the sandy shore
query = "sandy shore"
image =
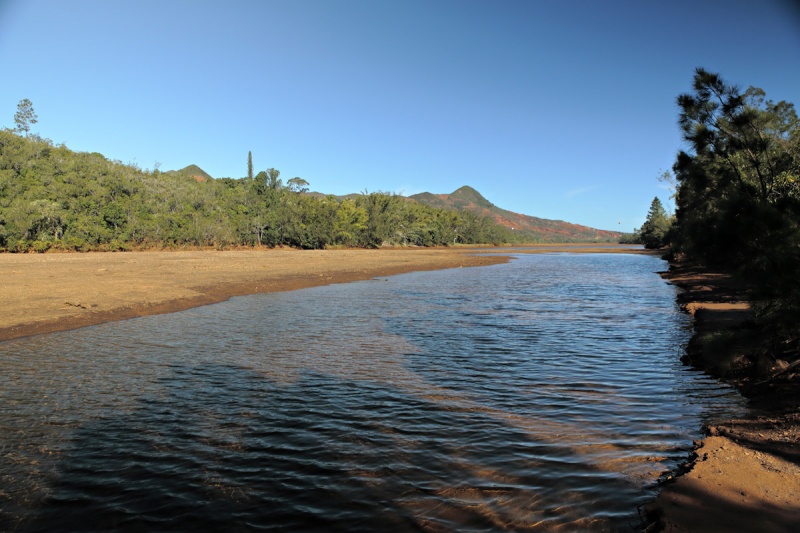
(745, 475)
(44, 293)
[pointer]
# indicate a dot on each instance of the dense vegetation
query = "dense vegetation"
(655, 230)
(54, 198)
(738, 190)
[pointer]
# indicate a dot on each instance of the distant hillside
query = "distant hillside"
(531, 229)
(527, 228)
(52, 198)
(351, 196)
(192, 171)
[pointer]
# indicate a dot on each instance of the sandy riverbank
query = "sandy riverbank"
(44, 293)
(745, 475)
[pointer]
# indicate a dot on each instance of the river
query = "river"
(544, 394)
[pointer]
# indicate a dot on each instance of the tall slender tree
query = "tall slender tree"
(25, 116)
(655, 227)
(250, 166)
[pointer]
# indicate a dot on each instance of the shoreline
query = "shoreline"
(744, 475)
(46, 293)
(60, 291)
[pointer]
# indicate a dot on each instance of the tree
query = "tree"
(250, 166)
(273, 180)
(654, 230)
(670, 182)
(738, 201)
(739, 182)
(25, 116)
(297, 185)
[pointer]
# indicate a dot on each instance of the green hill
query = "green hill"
(192, 171)
(54, 198)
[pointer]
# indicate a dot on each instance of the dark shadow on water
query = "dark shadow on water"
(224, 448)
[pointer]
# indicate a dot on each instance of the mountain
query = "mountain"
(192, 171)
(531, 229)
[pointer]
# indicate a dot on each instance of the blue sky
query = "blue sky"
(557, 109)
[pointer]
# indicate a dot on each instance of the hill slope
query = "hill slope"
(527, 228)
(52, 198)
(531, 229)
(192, 171)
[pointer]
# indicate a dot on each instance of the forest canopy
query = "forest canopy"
(738, 189)
(54, 198)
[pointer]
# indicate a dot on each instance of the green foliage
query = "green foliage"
(297, 185)
(631, 238)
(54, 198)
(25, 116)
(191, 171)
(738, 197)
(653, 233)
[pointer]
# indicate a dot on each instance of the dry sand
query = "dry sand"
(43, 293)
(734, 486)
(745, 475)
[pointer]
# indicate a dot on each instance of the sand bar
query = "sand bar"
(44, 293)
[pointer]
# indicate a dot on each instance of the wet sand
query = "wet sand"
(43, 293)
(745, 475)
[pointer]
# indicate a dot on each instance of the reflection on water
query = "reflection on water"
(543, 394)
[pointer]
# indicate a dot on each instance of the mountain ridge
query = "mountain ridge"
(528, 227)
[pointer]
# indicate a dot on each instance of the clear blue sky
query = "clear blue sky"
(557, 109)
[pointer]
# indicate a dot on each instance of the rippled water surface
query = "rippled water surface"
(543, 394)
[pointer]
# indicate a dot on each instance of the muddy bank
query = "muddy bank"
(745, 475)
(44, 293)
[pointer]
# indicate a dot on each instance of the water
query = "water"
(545, 394)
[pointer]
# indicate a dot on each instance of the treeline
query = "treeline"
(54, 198)
(738, 191)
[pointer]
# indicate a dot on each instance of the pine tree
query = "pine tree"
(25, 116)
(250, 166)
(655, 228)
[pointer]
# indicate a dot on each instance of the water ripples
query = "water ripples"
(545, 394)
